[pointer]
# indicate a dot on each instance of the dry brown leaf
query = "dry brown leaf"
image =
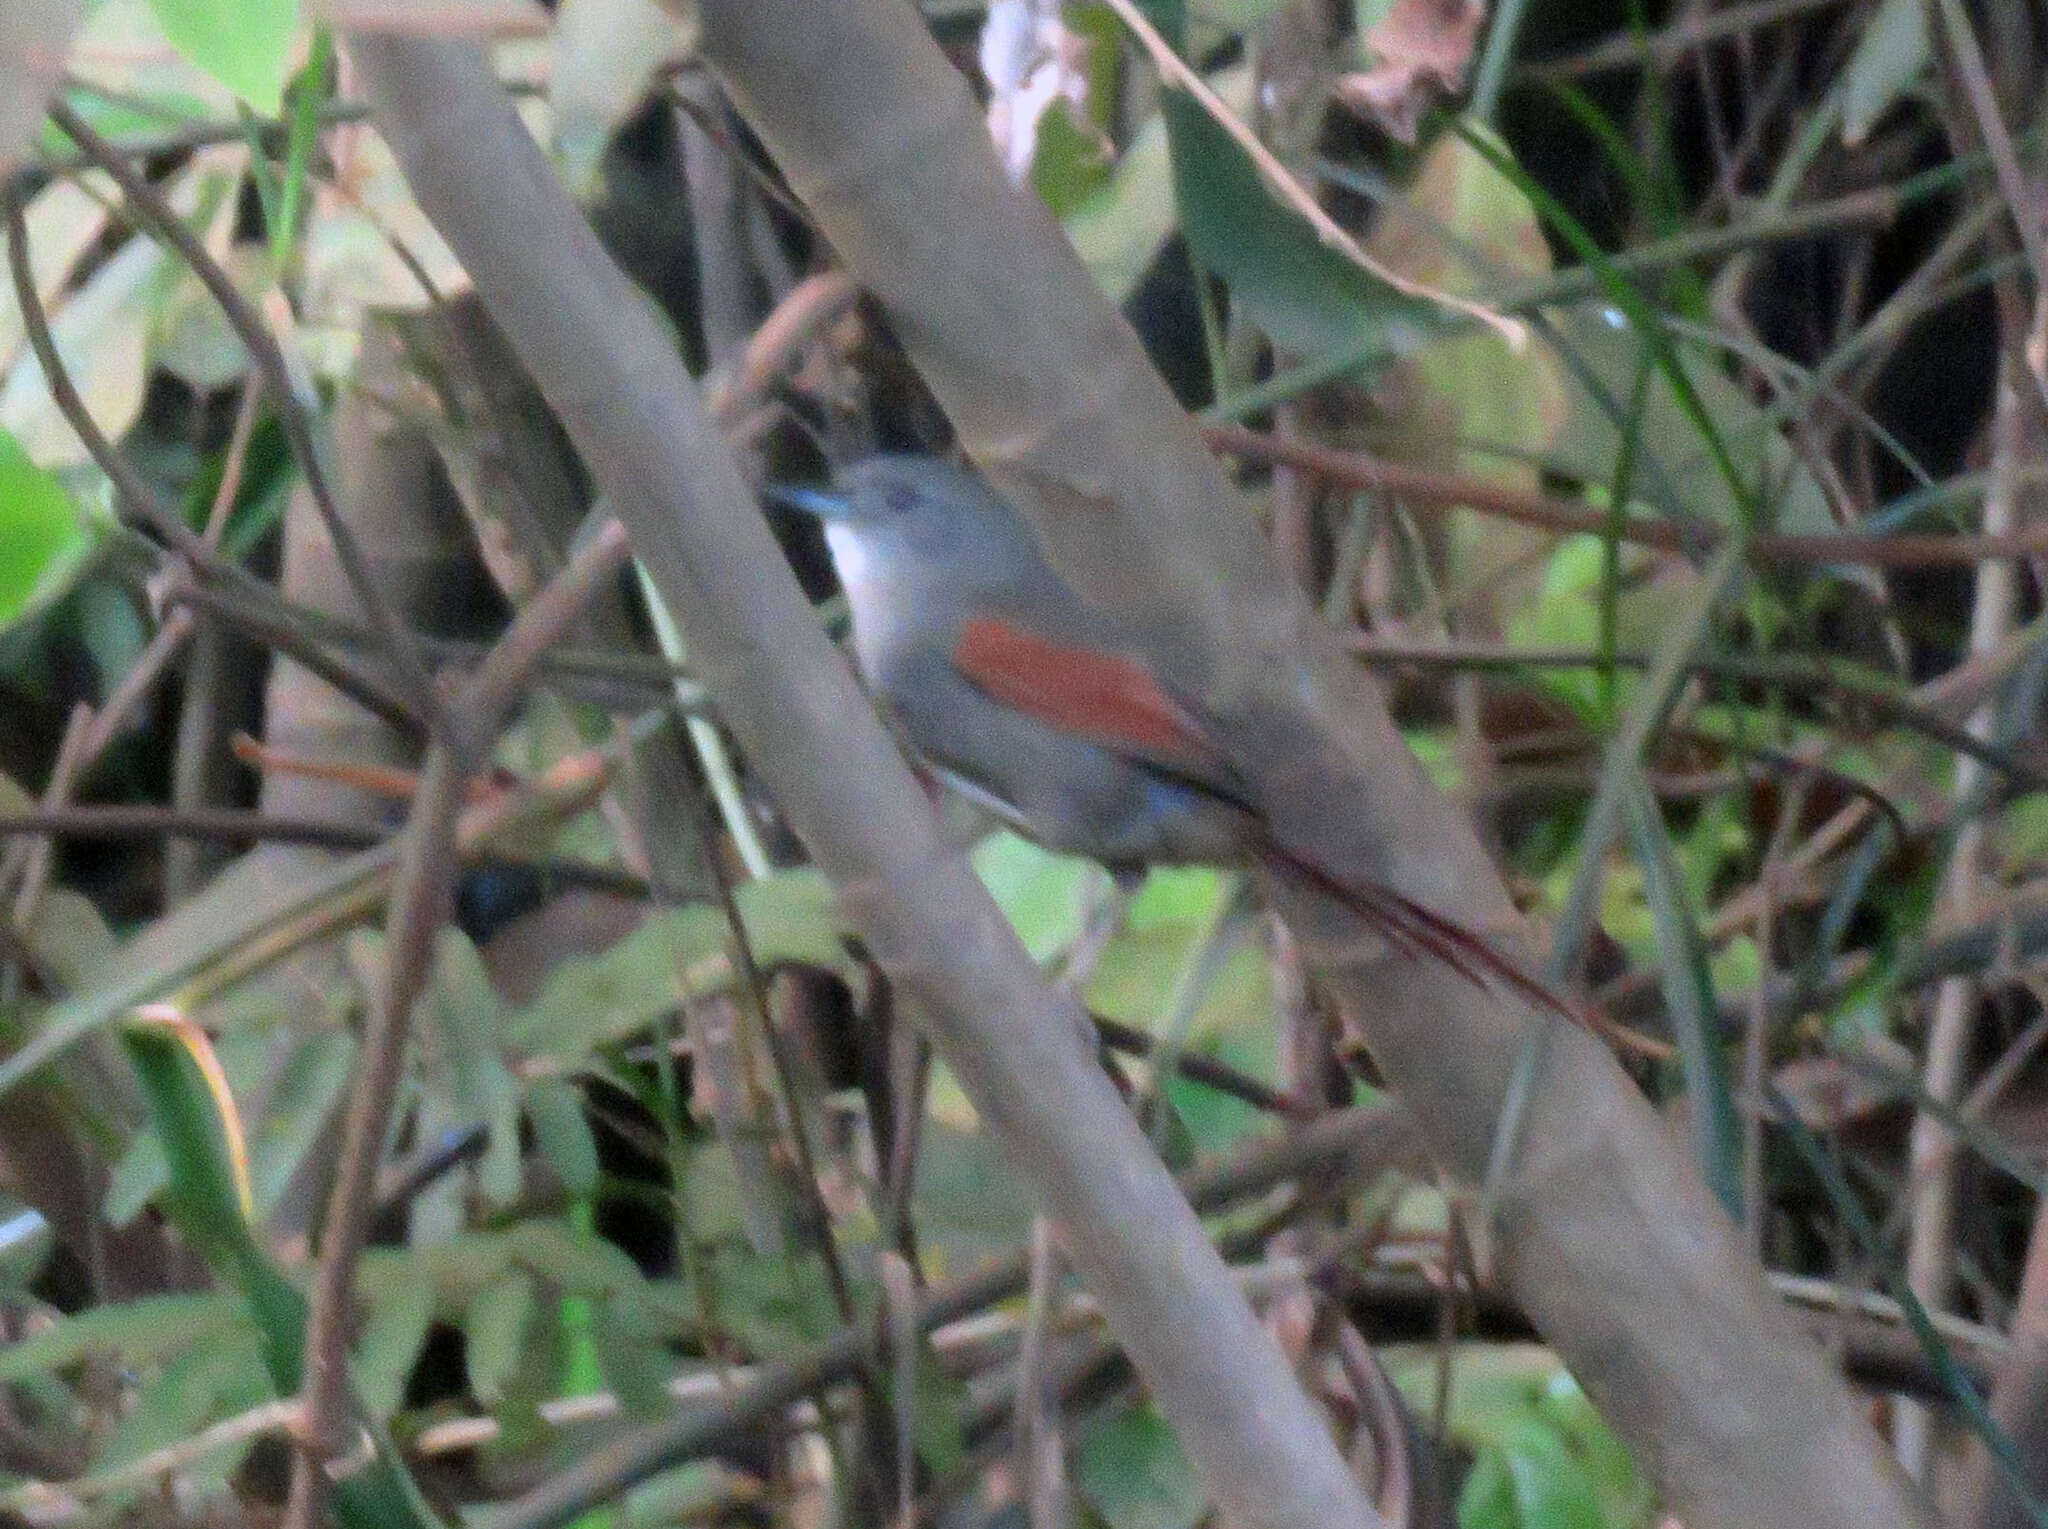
(1422, 48)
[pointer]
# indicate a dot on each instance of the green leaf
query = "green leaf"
(969, 1199)
(141, 1332)
(1890, 57)
(618, 992)
(203, 1384)
(1678, 462)
(255, 895)
(1625, 1496)
(1119, 227)
(245, 44)
(1133, 1473)
(628, 1341)
(1044, 896)
(1070, 160)
(1689, 991)
(581, 1263)
(1307, 297)
(1531, 1481)
(1543, 1456)
(44, 540)
(389, 1345)
(562, 1131)
(469, 1020)
(203, 1191)
(205, 1203)
(69, 937)
(774, 1305)
(938, 1417)
(494, 1333)
(300, 1106)
(1234, 15)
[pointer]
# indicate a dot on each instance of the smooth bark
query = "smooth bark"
(1605, 1234)
(615, 380)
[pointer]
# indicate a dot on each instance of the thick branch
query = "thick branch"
(635, 415)
(1607, 1237)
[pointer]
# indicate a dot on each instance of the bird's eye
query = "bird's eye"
(901, 499)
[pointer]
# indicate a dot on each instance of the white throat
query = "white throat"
(860, 575)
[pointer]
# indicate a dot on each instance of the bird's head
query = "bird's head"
(895, 494)
(892, 517)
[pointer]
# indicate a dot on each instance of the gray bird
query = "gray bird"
(1014, 691)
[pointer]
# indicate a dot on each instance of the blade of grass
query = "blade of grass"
(1689, 993)
(1820, 1157)
(204, 1200)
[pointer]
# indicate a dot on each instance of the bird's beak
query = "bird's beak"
(823, 503)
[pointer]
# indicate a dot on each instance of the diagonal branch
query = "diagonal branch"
(1607, 1238)
(619, 388)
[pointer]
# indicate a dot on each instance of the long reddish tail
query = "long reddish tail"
(1422, 933)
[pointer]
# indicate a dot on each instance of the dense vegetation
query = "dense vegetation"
(404, 957)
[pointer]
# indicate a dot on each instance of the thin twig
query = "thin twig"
(1932, 1188)
(293, 409)
(812, 306)
(421, 896)
(514, 656)
(1851, 692)
(419, 905)
(129, 485)
(194, 755)
(1663, 48)
(1173, 68)
(2021, 200)
(34, 1500)
(1365, 1131)
(36, 859)
(207, 579)
(1446, 490)
(294, 631)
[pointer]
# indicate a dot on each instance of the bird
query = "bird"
(1007, 686)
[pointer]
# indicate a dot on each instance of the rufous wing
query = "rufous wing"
(1104, 697)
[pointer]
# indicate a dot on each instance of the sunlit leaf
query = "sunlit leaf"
(64, 220)
(1119, 228)
(1044, 896)
(245, 44)
(44, 539)
(101, 333)
(606, 54)
(1892, 54)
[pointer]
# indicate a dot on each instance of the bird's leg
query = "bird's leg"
(1104, 923)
